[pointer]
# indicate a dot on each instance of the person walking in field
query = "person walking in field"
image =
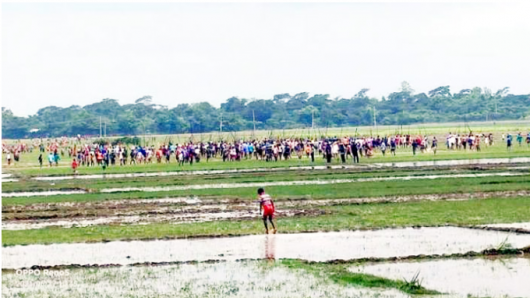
(519, 139)
(393, 146)
(40, 160)
(74, 166)
(51, 159)
(383, 147)
(509, 142)
(8, 157)
(266, 203)
(434, 144)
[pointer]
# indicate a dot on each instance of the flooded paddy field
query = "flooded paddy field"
(192, 209)
(234, 279)
(102, 228)
(479, 277)
(347, 245)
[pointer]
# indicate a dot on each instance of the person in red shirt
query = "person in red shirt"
(266, 203)
(74, 165)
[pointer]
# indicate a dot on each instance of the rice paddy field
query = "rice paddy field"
(454, 224)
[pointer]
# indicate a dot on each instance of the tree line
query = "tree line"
(282, 111)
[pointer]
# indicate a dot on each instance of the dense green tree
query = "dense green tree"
(282, 111)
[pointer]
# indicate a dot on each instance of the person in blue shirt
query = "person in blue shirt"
(245, 150)
(509, 141)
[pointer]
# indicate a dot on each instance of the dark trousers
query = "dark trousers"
(312, 156)
(355, 157)
(343, 157)
(328, 157)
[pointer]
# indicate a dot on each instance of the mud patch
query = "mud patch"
(320, 247)
(497, 277)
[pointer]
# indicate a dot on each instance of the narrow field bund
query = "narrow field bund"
(348, 245)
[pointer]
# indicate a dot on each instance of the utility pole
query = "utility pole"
(375, 123)
(105, 131)
(221, 124)
(312, 119)
(254, 120)
(496, 106)
(100, 127)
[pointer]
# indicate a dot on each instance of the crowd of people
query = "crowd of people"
(84, 153)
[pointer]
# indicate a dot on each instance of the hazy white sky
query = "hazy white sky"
(66, 54)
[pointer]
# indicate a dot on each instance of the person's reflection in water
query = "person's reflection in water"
(270, 247)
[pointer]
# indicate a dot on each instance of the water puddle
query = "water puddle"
(499, 277)
(438, 163)
(308, 246)
(234, 279)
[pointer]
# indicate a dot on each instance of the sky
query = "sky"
(65, 54)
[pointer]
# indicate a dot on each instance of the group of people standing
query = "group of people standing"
(266, 149)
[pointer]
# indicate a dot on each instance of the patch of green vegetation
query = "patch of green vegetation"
(344, 217)
(340, 274)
